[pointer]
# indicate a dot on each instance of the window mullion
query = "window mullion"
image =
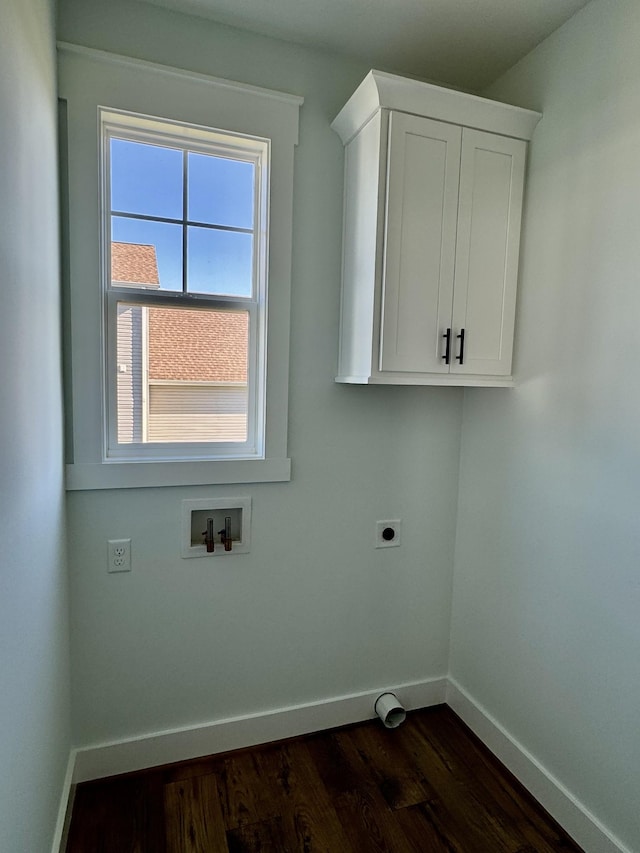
(185, 203)
(144, 217)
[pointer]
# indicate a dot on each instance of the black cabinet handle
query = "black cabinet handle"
(460, 337)
(447, 351)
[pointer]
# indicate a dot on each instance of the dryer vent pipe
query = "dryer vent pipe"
(390, 711)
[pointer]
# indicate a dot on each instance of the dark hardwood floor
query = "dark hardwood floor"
(426, 787)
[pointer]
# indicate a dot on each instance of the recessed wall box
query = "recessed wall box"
(226, 514)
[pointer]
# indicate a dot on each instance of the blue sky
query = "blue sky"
(148, 179)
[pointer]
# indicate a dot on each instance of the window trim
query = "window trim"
(139, 87)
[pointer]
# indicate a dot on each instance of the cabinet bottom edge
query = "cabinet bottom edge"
(457, 382)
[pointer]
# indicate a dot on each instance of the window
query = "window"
(185, 238)
(178, 211)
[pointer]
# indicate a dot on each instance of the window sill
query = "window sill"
(140, 475)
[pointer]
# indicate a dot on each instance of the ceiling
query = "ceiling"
(466, 43)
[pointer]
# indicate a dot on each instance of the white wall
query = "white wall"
(314, 611)
(34, 708)
(546, 629)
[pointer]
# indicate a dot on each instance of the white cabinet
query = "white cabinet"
(433, 196)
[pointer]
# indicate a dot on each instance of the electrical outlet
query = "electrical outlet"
(119, 555)
(388, 533)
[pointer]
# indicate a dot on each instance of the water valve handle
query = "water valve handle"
(208, 536)
(225, 534)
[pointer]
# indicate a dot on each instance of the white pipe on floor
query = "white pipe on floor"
(388, 708)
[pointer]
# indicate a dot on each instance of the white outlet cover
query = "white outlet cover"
(119, 555)
(396, 525)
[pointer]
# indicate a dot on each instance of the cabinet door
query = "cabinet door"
(420, 235)
(491, 181)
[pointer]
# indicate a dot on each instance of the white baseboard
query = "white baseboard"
(109, 759)
(66, 805)
(571, 814)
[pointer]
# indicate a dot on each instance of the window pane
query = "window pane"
(146, 179)
(147, 254)
(220, 191)
(219, 262)
(181, 374)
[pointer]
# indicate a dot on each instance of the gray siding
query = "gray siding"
(129, 381)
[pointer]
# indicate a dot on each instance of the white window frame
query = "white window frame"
(149, 129)
(89, 79)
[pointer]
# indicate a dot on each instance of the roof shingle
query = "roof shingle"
(185, 345)
(135, 263)
(198, 345)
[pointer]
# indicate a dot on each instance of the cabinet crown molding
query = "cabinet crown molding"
(380, 90)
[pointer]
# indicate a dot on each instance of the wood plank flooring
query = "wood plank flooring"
(427, 787)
